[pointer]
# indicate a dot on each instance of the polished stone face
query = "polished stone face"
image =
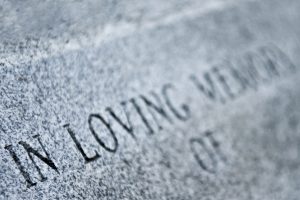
(179, 99)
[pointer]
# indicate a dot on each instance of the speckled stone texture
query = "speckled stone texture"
(209, 134)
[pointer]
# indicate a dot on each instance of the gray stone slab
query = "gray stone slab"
(149, 100)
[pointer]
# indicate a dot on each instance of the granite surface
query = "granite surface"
(178, 99)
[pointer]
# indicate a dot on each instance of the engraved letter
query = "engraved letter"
(186, 110)
(107, 125)
(211, 91)
(79, 147)
(157, 107)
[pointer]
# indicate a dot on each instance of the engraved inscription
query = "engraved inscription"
(222, 83)
(207, 153)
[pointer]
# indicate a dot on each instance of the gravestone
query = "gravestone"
(178, 99)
